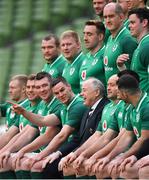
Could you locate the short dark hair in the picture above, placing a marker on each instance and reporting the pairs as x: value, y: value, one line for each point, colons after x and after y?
x: 57, y: 80
x: 141, y: 13
x: 99, y: 25
x: 128, y: 83
x: 41, y: 75
x: 31, y: 77
x: 50, y: 36
x: 130, y: 72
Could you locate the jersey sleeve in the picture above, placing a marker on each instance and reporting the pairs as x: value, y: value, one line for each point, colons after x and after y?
x: 75, y: 115
x: 114, y: 122
x: 145, y: 118
x: 129, y: 49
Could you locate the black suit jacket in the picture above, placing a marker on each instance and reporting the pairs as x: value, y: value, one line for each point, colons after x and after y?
x: 85, y: 130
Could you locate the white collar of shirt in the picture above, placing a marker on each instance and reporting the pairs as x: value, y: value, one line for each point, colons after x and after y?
x: 95, y: 105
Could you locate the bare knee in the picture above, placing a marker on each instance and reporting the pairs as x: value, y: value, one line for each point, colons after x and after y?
x: 144, y: 172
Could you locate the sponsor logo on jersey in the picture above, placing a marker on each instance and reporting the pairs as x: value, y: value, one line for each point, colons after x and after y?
x: 83, y: 74
x: 72, y: 71
x: 108, y: 68
x: 106, y: 60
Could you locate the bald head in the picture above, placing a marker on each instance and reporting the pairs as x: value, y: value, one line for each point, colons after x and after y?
x: 112, y: 87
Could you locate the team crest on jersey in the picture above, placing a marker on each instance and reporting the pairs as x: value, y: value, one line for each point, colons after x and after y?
x: 72, y: 71
x: 104, y: 125
x: 12, y: 114
x: 136, y: 132
x: 120, y: 115
x: 51, y: 71
x: 95, y: 61
x: 106, y: 60
x: 83, y: 74
x: 84, y: 62
x: 114, y: 47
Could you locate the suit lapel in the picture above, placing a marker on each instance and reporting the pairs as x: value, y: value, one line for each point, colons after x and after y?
x: 96, y: 112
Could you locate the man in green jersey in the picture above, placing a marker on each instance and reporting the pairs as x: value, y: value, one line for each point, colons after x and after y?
x: 71, y: 49
x: 139, y: 28
x: 17, y: 93
x: 117, y: 43
x: 50, y: 47
x: 137, y: 126
x: 69, y: 116
x: 103, y: 133
x: 94, y: 32
x: 49, y: 104
x: 26, y: 130
x: 124, y: 6
x: 133, y: 4
x: 98, y: 6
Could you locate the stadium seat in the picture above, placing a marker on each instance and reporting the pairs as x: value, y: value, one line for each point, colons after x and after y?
x: 5, y: 64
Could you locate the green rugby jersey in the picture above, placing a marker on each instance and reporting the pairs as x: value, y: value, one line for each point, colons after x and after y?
x: 23, y: 121
x: 72, y: 72
x: 138, y: 118
x: 106, y: 117
x: 55, y: 68
x: 93, y: 66
x: 122, y: 43
x: 45, y: 108
x: 11, y: 117
x: 72, y: 115
x: 140, y: 63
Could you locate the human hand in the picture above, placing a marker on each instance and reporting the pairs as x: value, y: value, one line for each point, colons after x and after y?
x: 52, y: 157
x: 122, y: 59
x: 130, y: 160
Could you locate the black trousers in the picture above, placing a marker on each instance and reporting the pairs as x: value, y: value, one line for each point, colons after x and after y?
x: 51, y: 170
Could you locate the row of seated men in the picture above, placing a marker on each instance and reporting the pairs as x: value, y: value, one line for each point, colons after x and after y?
x: 53, y: 133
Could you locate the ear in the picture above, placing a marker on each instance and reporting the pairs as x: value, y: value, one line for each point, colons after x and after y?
x: 145, y: 23
x: 121, y: 17
x: 101, y: 37
x: 24, y: 89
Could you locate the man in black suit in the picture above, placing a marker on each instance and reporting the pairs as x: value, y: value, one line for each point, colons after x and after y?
x: 93, y: 93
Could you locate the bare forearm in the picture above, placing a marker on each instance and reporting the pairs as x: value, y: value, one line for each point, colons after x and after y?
x: 5, y: 138
x: 34, y: 118
x: 83, y: 148
x: 35, y: 145
x: 135, y: 147
x: 10, y: 143
x: 23, y: 140
x: 122, y: 145
x: 106, y: 150
x: 94, y: 148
